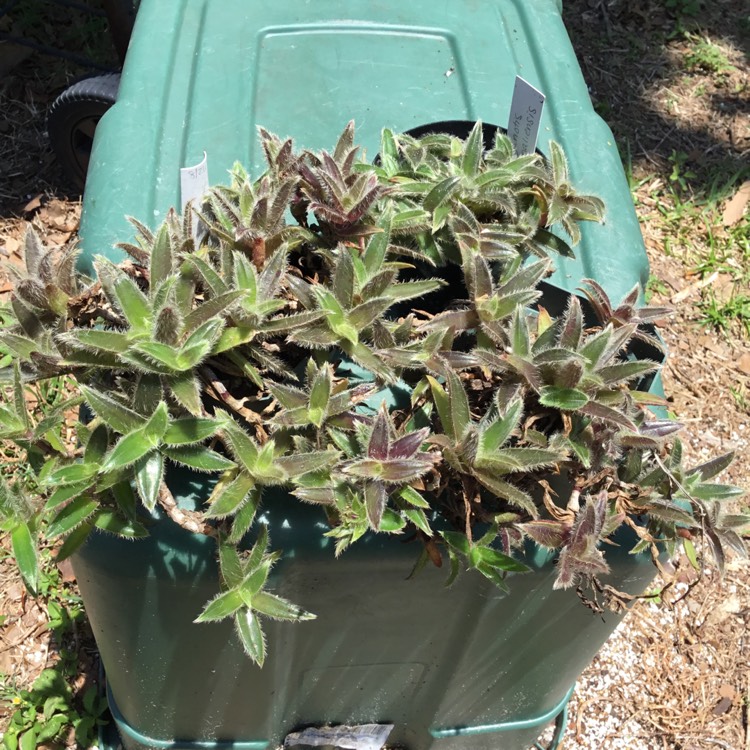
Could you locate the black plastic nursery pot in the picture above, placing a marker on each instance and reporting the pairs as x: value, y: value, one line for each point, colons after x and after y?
x: 464, y: 667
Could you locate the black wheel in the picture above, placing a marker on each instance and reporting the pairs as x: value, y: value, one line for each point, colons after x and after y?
x: 73, y: 118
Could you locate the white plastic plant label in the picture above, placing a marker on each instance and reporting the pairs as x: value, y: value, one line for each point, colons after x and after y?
x: 525, y: 116
x: 359, y: 737
x: 193, y: 182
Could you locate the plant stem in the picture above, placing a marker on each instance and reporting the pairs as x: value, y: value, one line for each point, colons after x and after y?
x: 189, y: 520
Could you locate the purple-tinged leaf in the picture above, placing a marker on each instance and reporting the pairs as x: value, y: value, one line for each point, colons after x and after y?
x: 316, y: 495
x: 379, y: 444
x: 607, y: 414
x: 375, y: 500
x: 598, y: 299
x: 550, y: 534
x: 407, y: 446
x: 712, y: 468
x: 508, y: 491
x: 298, y: 464
x: 572, y: 325
x: 660, y: 429
x: 624, y: 371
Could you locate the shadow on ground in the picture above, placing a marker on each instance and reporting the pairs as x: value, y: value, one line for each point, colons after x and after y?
x: 668, y: 110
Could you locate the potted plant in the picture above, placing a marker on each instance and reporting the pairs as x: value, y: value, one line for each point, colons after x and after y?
x: 357, y: 359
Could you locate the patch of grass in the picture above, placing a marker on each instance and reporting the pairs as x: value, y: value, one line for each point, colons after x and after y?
x: 691, y: 226
x: 50, y: 711
x: 655, y: 286
x: 741, y: 397
x: 724, y: 316
x: 706, y: 56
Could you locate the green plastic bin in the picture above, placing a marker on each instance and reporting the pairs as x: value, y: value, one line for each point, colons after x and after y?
x: 465, y: 668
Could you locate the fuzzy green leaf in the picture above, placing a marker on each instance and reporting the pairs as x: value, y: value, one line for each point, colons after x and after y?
x: 565, y: 399
x: 472, y: 156
x: 320, y: 394
x: 133, y: 303
x: 73, y: 514
x: 279, y: 609
x: 377, y: 247
x: 74, y: 541
x: 230, y: 564
x: 411, y: 496
x: 507, y: 491
x: 229, y: 495
x: 443, y: 406
x: 160, y: 265
x: 244, y: 517
x: 211, y: 309
x: 459, y: 405
x: 127, y: 451
x: 74, y: 474
x: 221, y: 606
x: 419, y: 519
x: 149, y: 474
x: 113, y: 413
x: 500, y: 561
x: 69, y: 491
x: 189, y: 430
x: 112, y: 523
x: 497, y: 433
x: 186, y: 390
x: 24, y: 551
x: 441, y: 193
x: 251, y: 635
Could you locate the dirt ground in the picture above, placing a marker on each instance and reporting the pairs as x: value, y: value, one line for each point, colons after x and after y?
x: 672, y: 80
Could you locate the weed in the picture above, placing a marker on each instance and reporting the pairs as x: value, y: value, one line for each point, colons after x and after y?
x: 723, y: 315
x: 655, y: 286
x: 706, y: 56
x: 50, y: 711
x: 741, y: 397
x: 681, y: 173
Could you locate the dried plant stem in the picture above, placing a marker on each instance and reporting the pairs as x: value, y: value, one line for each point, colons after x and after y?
x: 189, y: 520
x: 236, y: 405
x: 259, y: 253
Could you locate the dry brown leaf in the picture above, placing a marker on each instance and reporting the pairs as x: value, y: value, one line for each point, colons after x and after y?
x: 33, y: 204
x: 743, y: 363
x: 735, y: 208
x: 12, y: 245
